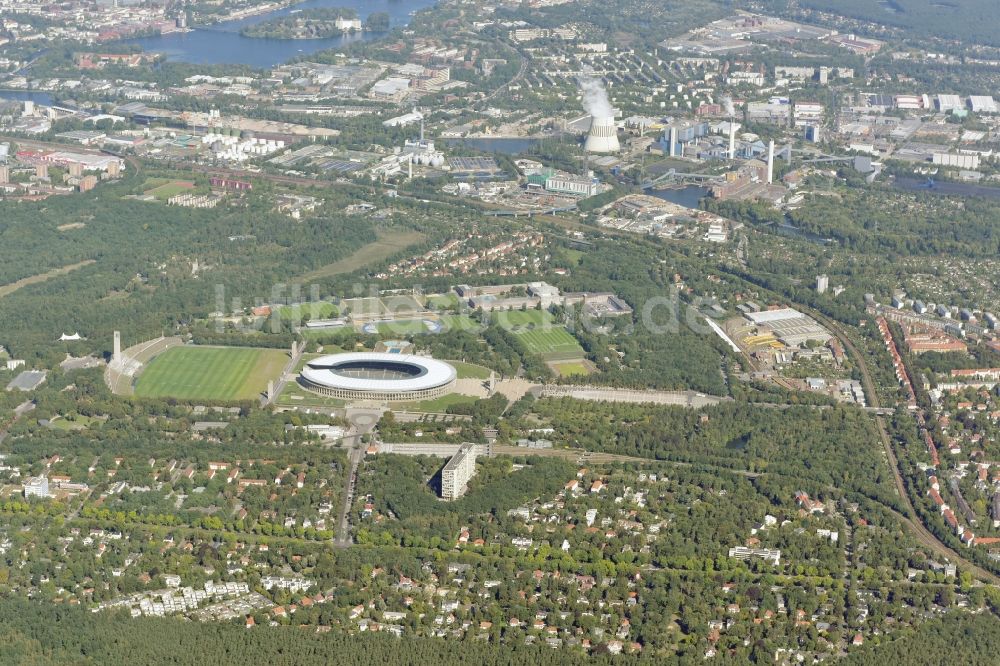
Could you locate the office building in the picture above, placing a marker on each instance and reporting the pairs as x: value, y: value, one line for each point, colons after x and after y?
x: 36, y: 486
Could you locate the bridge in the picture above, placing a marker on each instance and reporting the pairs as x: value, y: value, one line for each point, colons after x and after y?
x: 674, y: 175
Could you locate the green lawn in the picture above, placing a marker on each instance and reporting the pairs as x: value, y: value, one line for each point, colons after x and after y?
x: 512, y: 319
x: 571, y: 369
x: 169, y: 189
x: 538, y: 331
x: 401, y: 327
x: 572, y: 256
x: 470, y: 370
x: 439, y: 405
x: 325, y: 335
x: 545, y: 341
x: 72, y: 422
x: 459, y: 323
x: 295, y: 396
x: 313, y: 310
x: 442, y: 301
x: 210, y: 373
x: 390, y: 241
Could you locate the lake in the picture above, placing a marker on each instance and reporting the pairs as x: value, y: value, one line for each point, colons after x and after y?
x: 222, y: 43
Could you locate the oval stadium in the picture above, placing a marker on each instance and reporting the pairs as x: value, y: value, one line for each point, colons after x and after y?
x: 378, y: 376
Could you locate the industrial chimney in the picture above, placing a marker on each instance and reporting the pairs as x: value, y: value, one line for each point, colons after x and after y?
x: 603, y: 135
x: 770, y: 162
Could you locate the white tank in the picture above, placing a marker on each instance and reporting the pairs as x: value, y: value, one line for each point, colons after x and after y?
x: 603, y: 136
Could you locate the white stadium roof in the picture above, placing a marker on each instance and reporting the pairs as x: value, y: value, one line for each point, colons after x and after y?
x: 431, y: 373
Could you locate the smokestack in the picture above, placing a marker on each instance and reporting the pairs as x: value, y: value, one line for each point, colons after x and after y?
x: 770, y: 162
x: 732, y: 139
x: 673, y: 141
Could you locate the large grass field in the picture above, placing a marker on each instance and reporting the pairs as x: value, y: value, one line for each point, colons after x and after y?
x: 571, y: 369
x: 549, y: 341
x: 538, y: 332
x: 390, y: 241
x: 170, y: 188
x: 313, y: 309
x: 442, y: 301
x: 295, y: 396
x: 470, y: 370
x: 437, y: 405
x: 459, y: 322
x: 401, y: 327
x: 210, y: 373
x: 514, y: 319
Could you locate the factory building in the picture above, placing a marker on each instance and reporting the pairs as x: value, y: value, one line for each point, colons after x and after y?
x: 982, y: 104
x: 948, y: 103
x: 573, y: 185
x: 790, y: 326
x: 957, y: 160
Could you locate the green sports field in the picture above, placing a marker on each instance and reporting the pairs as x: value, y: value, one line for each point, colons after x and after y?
x: 571, y: 369
x: 210, y: 373
x: 164, y: 191
x: 539, y: 333
x: 314, y: 310
x: 515, y: 319
x: 547, y: 341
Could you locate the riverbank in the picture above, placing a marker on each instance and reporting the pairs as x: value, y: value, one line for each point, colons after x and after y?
x: 221, y: 43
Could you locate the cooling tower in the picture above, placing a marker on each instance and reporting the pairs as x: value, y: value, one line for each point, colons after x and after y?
x: 603, y: 136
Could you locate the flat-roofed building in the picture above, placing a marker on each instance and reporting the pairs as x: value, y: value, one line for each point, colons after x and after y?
x: 36, y: 486
x: 790, y: 326
x: 457, y: 472
x: 982, y: 104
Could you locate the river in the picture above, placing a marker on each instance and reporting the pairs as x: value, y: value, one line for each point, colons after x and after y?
x: 37, y: 96
x: 222, y: 43
x: 946, y: 188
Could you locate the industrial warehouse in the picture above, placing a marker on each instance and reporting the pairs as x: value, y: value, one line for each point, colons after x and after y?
x: 378, y: 376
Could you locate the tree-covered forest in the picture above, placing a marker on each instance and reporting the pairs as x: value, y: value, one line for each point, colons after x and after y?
x: 966, y: 20
x: 48, y: 635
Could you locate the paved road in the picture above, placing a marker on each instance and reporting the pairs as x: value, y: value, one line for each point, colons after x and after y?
x: 919, y: 530
x: 685, y: 398
x: 363, y: 421
x: 19, y: 411
x: 583, y: 457
x: 288, y: 374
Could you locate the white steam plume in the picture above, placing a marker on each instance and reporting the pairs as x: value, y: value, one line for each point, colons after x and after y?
x: 727, y: 103
x: 595, y: 97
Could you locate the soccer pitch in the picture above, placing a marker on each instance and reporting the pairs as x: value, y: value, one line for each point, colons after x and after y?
x: 516, y: 319
x: 210, y: 373
x: 314, y: 310
x: 547, y: 341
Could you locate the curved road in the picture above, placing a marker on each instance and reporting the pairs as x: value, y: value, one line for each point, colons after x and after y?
x: 919, y: 530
